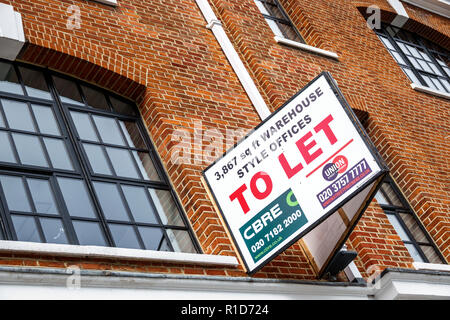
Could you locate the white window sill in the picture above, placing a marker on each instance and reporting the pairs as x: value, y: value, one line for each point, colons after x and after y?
x: 115, y: 253
x: 108, y: 2
x: 431, y: 266
x: 434, y: 92
x: 306, y: 47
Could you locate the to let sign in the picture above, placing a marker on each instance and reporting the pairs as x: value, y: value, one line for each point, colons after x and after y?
x: 293, y: 171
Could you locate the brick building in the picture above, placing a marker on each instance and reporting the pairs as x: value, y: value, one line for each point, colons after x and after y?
x: 125, y: 89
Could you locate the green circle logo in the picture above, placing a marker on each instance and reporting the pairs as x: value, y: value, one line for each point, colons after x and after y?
x: 292, y: 202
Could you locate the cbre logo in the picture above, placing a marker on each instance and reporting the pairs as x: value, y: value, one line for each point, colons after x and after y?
x: 334, y: 168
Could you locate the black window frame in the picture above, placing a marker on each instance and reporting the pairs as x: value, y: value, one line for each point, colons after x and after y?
x: 419, y: 43
x: 285, y: 20
x: 405, y: 208
x: 81, y: 165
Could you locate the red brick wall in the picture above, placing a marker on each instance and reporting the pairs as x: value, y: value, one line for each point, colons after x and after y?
x: 161, y: 55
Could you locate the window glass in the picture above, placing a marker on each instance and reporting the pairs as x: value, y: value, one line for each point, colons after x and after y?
x: 53, y: 230
x: 42, y: 195
x: 18, y: 115
x: 84, y: 126
x: 111, y: 201
x: 122, y: 163
x: 26, y: 228
x: 132, y: 134
x: 413, y: 252
x: 46, y: 120
x: 109, y: 130
x: 124, y: 236
x: 95, y: 98
x: 180, y: 241
x: 68, y: 91
x: 122, y: 107
x: 6, y: 151
x: 58, y: 154
x: 431, y: 254
x: 146, y: 166
x: 76, y: 197
x: 139, y: 204
x: 15, y: 194
x: 153, y: 238
x: 35, y: 83
x: 89, y: 233
x: 166, y: 207
x: 8, y: 79
x: 97, y: 159
x: 30, y: 150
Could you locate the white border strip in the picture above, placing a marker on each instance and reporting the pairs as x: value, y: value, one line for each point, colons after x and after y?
x: 108, y: 2
x: 306, y: 47
x: 431, y: 266
x: 434, y: 92
x: 115, y: 253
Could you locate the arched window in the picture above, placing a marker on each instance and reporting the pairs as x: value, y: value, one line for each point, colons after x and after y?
x: 424, y: 62
x: 77, y: 167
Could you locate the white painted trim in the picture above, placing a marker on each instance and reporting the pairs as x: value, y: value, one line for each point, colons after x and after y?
x: 244, y: 77
x: 12, y: 37
x: 440, y: 7
x: 398, y: 7
x: 407, y: 285
x: 45, y: 283
x: 434, y: 92
x: 108, y: 2
x: 115, y: 253
x: 306, y: 47
x: 431, y: 266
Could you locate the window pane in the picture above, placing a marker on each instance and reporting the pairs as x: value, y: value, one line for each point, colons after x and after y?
x: 89, y: 233
x: 381, y: 199
x: 398, y: 227
x: 68, y: 91
x: 431, y: 254
x: 413, y: 252
x: 2, y: 122
x: 109, y: 130
x: 414, y: 227
x: 111, y: 201
x: 18, y: 115
x: 30, y: 150
x: 429, y: 82
x: 166, y: 207
x: 122, y: 107
x: 146, y: 166
x: 35, y: 83
x: 84, y: 126
x: 387, y: 43
x: 437, y: 84
x: 26, y: 229
x: 122, y: 163
x: 138, y: 202
x: 8, y: 79
x: 15, y: 194
x: 289, y: 32
x: 392, y: 196
x: 42, y: 196
x: 398, y: 57
x: 53, y: 230
x: 411, y: 76
x: 97, y: 159
x: 95, y: 98
x: 132, y: 134
x: 6, y: 151
x: 76, y: 198
x: 181, y: 241
x: 58, y: 154
x: 124, y: 236
x: 46, y: 120
x: 153, y: 239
